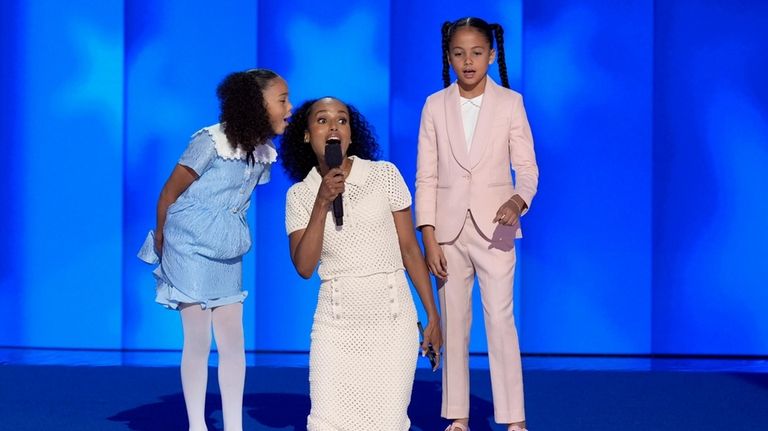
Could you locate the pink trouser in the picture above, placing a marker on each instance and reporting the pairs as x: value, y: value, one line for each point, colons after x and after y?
x: 494, y: 263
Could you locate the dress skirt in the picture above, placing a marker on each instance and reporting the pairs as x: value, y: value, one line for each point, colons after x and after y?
x: 364, y: 347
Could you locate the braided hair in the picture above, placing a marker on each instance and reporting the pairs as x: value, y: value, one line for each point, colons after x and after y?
x: 490, y: 31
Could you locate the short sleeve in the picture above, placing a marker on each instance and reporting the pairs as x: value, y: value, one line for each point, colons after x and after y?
x: 199, y: 153
x: 296, y: 214
x: 397, y: 191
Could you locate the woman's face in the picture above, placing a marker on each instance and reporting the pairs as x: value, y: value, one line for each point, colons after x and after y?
x: 277, y: 104
x: 328, y: 119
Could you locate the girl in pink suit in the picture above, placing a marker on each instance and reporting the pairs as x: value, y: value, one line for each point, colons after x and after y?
x: 473, y: 133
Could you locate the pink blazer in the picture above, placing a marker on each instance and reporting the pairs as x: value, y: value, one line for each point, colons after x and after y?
x: 450, y: 180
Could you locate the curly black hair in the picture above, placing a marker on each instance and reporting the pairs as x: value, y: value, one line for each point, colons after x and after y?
x: 490, y: 31
x: 244, y: 115
x: 297, y: 156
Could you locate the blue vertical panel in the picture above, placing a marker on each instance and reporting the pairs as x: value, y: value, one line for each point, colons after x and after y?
x: 176, y: 54
x: 711, y: 177
x: 11, y: 221
x: 339, y: 49
x: 69, y: 181
x: 416, y: 64
x: 588, y: 82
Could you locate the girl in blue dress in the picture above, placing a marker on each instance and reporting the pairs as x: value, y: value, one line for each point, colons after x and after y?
x: 202, y: 234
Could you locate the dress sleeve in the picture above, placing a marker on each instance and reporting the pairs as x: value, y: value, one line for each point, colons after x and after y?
x: 199, y: 153
x: 296, y: 214
x: 266, y: 174
x: 397, y: 191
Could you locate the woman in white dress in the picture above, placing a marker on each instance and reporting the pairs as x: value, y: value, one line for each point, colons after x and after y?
x: 364, y: 341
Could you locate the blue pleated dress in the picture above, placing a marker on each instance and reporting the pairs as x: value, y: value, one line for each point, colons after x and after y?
x: 206, y: 233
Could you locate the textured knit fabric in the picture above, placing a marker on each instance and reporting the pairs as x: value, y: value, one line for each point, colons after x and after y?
x: 364, y: 341
x: 205, y: 233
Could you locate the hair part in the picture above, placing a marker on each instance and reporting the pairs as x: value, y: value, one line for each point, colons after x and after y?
x: 243, y: 110
x: 491, y: 32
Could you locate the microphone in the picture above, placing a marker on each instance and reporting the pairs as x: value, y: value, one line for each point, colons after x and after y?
x: 333, y: 159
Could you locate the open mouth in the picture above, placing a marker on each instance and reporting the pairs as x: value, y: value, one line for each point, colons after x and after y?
x: 331, y: 136
x: 468, y: 73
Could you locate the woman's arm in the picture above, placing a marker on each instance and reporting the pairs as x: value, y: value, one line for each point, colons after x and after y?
x: 306, y: 244
x: 417, y: 271
x: 179, y: 181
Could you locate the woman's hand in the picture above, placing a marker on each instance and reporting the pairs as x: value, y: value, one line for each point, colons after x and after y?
x: 331, y: 186
x: 434, y: 336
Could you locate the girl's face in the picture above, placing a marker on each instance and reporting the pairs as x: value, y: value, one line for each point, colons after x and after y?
x: 328, y: 119
x: 470, y: 54
x: 277, y: 104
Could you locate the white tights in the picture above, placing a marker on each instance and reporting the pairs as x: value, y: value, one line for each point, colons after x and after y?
x: 227, y: 322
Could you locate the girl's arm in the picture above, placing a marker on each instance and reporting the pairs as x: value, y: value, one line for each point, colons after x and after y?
x: 426, y: 171
x: 417, y: 271
x: 179, y: 181
x: 426, y: 194
x: 522, y: 158
x: 306, y: 244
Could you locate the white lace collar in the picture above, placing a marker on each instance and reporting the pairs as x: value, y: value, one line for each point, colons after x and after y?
x: 262, y: 154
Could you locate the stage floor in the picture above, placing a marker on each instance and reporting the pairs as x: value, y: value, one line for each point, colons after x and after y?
x: 76, y: 390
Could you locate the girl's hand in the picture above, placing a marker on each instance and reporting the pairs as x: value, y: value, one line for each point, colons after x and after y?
x: 434, y: 336
x: 332, y: 186
x: 435, y: 258
x: 508, y: 214
x: 159, y: 244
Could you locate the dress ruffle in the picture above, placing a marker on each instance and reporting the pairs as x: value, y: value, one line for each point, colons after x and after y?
x: 168, y: 295
x: 265, y: 153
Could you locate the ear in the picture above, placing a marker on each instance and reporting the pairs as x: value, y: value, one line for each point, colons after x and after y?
x: 306, y: 136
x: 492, y: 57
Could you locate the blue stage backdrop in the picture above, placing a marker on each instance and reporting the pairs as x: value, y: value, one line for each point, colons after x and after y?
x: 587, y: 256
x: 647, y: 236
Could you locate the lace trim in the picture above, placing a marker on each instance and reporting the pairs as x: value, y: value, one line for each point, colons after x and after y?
x: 265, y: 153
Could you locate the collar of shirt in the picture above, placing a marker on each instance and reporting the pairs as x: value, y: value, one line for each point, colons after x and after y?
x: 264, y: 153
x: 475, y: 101
x: 357, y: 175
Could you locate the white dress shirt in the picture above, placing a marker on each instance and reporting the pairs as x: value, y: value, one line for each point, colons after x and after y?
x: 470, y: 109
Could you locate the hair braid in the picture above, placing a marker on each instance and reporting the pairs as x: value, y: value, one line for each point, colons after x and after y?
x: 446, y: 41
x: 498, y: 32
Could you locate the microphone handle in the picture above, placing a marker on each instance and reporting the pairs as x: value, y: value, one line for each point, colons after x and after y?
x: 338, y: 211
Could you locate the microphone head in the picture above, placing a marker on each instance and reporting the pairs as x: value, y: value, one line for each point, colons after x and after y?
x: 333, y: 156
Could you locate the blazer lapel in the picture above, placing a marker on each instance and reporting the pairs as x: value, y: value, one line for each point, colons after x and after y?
x: 456, y: 126
x: 481, y: 137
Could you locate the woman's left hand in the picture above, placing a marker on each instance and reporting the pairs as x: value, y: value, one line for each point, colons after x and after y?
x: 434, y: 336
x: 508, y: 214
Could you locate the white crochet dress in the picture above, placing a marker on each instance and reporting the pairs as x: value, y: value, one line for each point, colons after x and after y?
x: 364, y: 341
